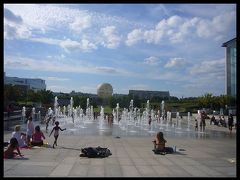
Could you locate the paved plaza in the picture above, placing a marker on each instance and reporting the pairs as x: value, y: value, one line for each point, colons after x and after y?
x: 201, y: 155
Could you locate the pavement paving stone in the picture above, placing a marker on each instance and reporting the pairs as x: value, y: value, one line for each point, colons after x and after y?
x: 209, y: 171
x: 113, y: 170
x: 62, y: 170
x: 79, y: 170
x: 202, y: 156
x: 130, y: 171
x: 162, y: 171
x: 125, y: 161
x: 146, y: 171
x: 178, y: 171
x: 96, y: 171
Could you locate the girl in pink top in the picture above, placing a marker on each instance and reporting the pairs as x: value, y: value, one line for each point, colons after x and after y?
x: 37, y: 137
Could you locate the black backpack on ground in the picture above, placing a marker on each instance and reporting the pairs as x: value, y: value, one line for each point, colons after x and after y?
x: 95, y: 152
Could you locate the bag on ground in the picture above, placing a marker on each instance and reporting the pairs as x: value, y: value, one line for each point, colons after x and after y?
x: 95, y: 152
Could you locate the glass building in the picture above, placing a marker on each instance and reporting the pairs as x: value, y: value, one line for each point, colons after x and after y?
x: 230, y: 68
x: 34, y: 84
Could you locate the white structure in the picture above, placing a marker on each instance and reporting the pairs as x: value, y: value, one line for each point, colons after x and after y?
x: 104, y: 90
x: 34, y: 84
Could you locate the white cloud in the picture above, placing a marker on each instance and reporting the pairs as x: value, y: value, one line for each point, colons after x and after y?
x: 81, y: 23
x: 151, y: 60
x: 139, y: 87
x: 174, y: 21
x: 153, y: 36
x: 134, y: 36
x: 219, y: 24
x: 48, y: 17
x: 47, y: 40
x: 111, y: 39
x: 176, y: 29
x: 175, y: 63
x: 53, y: 17
x: 70, y: 45
x: 57, y: 66
x: 213, y: 68
x: 58, y: 88
x: 14, y: 28
x: 87, y: 45
x: 67, y: 44
x: 51, y: 78
x: 106, y: 70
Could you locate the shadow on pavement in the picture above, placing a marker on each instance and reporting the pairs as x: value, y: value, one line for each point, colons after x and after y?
x: 62, y: 147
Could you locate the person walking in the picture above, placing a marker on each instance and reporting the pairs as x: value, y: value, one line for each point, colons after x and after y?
x: 202, y: 122
x: 56, y: 129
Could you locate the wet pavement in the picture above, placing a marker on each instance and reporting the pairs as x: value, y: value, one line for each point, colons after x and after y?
x: 199, y: 154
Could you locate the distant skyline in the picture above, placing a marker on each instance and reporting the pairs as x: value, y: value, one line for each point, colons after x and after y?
x: 155, y: 47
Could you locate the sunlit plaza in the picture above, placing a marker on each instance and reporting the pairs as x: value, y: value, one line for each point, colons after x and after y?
x: 155, y: 84
x: 209, y: 153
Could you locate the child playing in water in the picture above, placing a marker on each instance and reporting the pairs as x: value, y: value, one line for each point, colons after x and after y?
x: 56, y: 132
x: 47, y: 120
x: 10, y: 151
x: 196, y: 124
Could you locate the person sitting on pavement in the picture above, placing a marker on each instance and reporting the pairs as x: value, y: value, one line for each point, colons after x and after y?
x: 20, y: 136
x: 212, y: 120
x: 10, y: 151
x: 37, y: 137
x: 223, y: 122
x: 159, y: 144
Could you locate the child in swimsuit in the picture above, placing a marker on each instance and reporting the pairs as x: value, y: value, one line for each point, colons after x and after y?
x: 56, y: 132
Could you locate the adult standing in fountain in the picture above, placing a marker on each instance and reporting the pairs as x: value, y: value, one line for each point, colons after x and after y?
x: 149, y: 120
x: 202, y: 122
x: 72, y: 117
x: 30, y: 129
x: 230, y: 122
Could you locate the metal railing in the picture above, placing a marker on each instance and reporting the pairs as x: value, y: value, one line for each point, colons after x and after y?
x: 16, y: 117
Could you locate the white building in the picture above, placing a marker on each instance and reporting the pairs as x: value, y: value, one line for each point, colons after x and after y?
x: 34, y: 84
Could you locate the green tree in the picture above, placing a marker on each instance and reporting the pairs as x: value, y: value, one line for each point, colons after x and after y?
x: 46, y: 97
x: 113, y: 102
x: 206, y: 100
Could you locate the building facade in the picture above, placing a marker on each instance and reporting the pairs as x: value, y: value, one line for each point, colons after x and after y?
x: 142, y: 94
x: 34, y: 84
x: 230, y: 67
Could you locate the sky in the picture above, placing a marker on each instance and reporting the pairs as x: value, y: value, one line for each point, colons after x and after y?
x: 155, y: 47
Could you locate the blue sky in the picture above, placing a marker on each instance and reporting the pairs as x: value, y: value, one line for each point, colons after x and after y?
x: 159, y: 47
